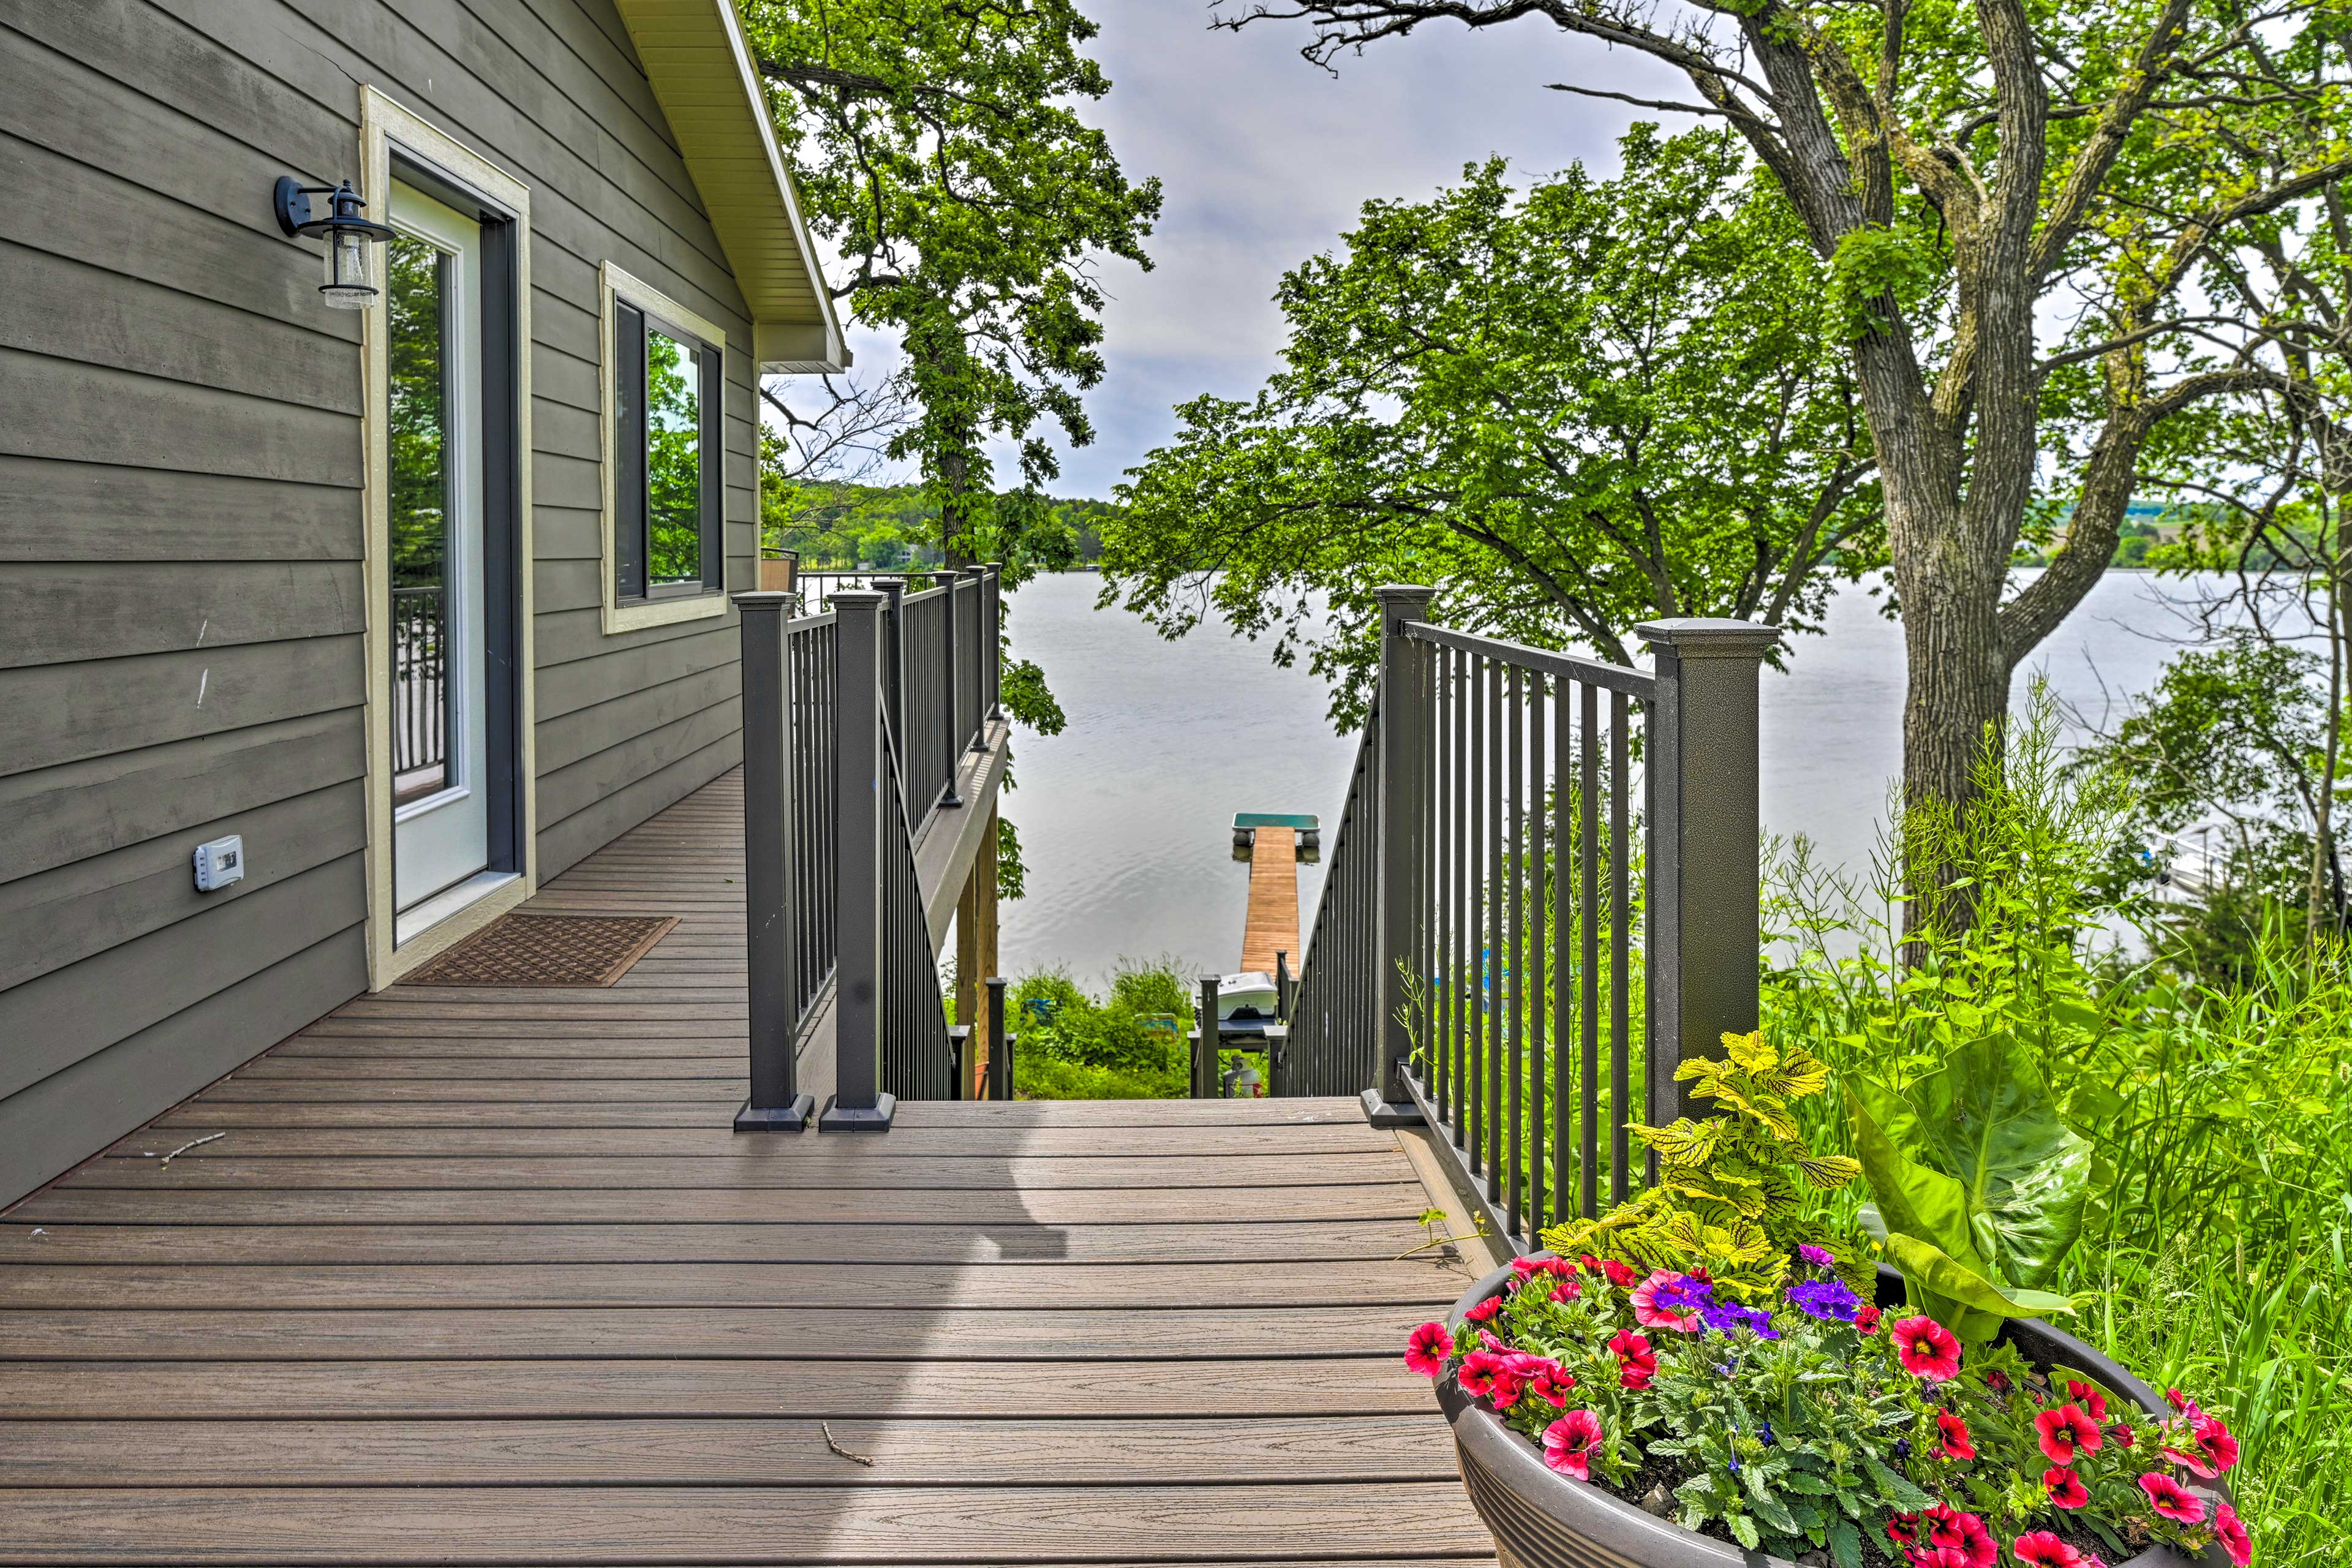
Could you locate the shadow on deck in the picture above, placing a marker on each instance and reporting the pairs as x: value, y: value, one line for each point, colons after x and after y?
x: 482, y: 1276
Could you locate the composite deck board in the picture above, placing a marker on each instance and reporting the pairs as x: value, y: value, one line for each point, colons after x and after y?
x: 480, y: 1276
x: 941, y: 1143
x: 589, y: 1388
x: 500, y: 1334
x: 493, y: 1525
x: 343, y: 1244
x: 761, y: 1451
x: 783, y: 1171
x: 1004, y: 1214
x: 1039, y: 1286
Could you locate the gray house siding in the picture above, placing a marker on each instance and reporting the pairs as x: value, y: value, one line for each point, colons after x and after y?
x: 181, y: 603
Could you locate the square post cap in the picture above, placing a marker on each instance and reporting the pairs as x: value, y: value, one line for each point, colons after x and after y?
x: 765, y: 600
x: 1706, y: 636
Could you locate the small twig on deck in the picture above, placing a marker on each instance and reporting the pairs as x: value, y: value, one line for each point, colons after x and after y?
x: 826, y: 1427
x: 192, y: 1143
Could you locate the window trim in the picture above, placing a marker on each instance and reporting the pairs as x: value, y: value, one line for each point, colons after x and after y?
x: 669, y: 604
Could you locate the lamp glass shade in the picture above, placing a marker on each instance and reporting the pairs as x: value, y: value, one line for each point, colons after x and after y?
x: 347, y: 287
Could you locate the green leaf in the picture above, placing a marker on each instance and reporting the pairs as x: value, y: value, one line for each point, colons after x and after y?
x: 1775, y: 1512
x: 1846, y: 1544
x: 1743, y: 1529
x: 1954, y: 1281
x: 1893, y: 1487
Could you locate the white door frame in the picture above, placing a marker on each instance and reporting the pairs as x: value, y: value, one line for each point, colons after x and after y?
x: 384, y: 126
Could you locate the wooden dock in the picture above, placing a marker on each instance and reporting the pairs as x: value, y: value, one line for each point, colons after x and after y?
x: 481, y: 1276
x: 1272, y: 924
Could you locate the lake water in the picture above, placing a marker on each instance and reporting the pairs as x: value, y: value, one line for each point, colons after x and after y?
x: 1126, y: 818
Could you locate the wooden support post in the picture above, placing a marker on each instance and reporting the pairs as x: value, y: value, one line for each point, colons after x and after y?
x: 1000, y: 1054
x: 776, y: 1104
x: 858, y: 1103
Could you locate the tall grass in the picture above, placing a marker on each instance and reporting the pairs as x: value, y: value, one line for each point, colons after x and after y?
x: 1127, y: 1045
x: 2215, y: 1257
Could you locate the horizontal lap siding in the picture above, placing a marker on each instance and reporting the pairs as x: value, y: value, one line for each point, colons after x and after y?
x: 181, y: 603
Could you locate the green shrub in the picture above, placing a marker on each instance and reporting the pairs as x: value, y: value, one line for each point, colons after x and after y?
x: 1074, y: 1046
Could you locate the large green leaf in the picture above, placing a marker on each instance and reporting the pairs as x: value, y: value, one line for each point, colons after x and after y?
x: 1979, y: 1184
x: 1988, y: 1118
x: 1943, y: 1274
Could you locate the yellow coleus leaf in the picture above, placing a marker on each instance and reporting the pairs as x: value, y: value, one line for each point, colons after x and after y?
x: 1749, y: 1054
x: 1828, y: 1171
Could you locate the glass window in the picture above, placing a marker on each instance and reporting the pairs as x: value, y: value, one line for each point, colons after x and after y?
x: 667, y: 473
x: 419, y: 471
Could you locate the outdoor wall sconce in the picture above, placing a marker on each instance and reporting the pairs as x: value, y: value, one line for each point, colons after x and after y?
x: 346, y: 232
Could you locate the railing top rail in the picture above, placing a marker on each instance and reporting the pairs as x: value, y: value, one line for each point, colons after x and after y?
x: 1546, y: 662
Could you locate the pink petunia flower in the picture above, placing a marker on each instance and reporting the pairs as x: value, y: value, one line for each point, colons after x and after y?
x: 1485, y: 1311
x: 2041, y: 1549
x: 1926, y: 1349
x: 2067, y: 1431
x: 2230, y: 1531
x: 1477, y: 1373
x: 2173, y: 1500
x: 1637, y: 1363
x: 2121, y: 1435
x: 1953, y: 1432
x: 1571, y: 1442
x: 1650, y: 1315
x: 1865, y: 1319
x: 1426, y: 1348
x: 1951, y: 1531
x: 2207, y: 1450
x: 2065, y: 1488
x: 1551, y: 1385
x: 2089, y: 1397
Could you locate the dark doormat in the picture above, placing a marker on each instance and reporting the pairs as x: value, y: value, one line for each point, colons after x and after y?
x: 546, y: 950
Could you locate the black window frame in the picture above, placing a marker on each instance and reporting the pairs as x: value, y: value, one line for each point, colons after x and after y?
x: 632, y: 479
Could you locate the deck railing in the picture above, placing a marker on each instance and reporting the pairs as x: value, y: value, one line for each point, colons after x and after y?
x: 1500, y: 931
x: 420, y: 680
x: 857, y: 724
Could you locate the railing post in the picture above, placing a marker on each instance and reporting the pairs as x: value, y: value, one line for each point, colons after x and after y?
x: 1404, y: 735
x: 857, y: 1104
x: 992, y: 646
x: 978, y: 736
x: 1206, y: 1042
x: 1000, y: 1044
x: 776, y: 1104
x: 894, y: 669
x: 954, y: 751
x: 1704, y: 856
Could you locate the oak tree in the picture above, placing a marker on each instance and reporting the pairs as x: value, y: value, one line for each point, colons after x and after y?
x: 2003, y: 190
x: 1573, y: 408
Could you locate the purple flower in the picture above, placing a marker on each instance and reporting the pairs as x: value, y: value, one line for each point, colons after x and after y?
x: 1817, y: 1256
x: 1830, y: 1300
x: 1681, y: 1295
x: 1724, y: 1317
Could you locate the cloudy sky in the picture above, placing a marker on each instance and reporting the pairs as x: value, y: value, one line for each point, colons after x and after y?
x: 1265, y: 159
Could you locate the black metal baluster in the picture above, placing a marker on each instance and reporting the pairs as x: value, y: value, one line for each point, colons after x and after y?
x: 1619, y: 970
x: 1474, y: 1128
x: 1494, y: 1008
x: 1538, y: 902
x: 1515, y: 927
x: 1589, y: 865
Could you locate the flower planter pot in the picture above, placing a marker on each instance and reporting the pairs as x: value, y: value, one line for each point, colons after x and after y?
x: 1541, y: 1519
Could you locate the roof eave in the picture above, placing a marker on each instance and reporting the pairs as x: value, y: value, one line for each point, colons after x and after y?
x: 699, y: 65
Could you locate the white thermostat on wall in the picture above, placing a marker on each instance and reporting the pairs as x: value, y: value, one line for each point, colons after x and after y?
x: 219, y: 863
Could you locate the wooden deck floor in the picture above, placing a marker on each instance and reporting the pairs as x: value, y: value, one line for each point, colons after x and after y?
x: 481, y: 1276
